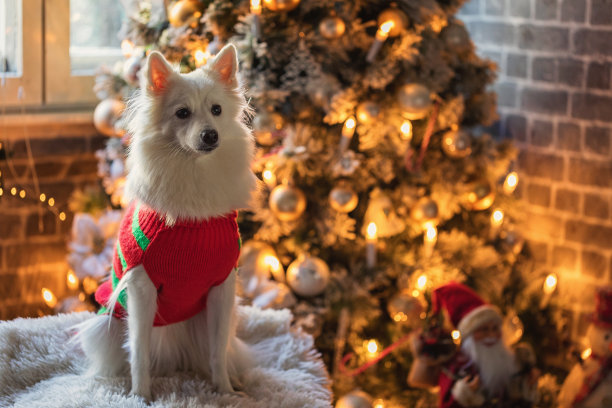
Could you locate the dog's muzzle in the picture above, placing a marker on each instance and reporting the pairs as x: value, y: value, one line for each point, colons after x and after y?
x: 209, y: 140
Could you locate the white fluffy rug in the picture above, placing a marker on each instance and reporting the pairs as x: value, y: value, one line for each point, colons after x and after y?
x: 39, y: 368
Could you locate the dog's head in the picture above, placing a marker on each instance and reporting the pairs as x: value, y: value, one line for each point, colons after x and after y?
x: 197, y: 112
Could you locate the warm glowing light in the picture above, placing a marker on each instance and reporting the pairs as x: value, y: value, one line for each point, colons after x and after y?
x: 1, y: 191
x: 386, y: 26
x: 416, y: 293
x: 372, y: 346
x: 431, y: 234
x: 272, y: 262
x: 22, y: 193
x: 400, y: 317
x: 348, y: 130
x: 201, y: 57
x: 456, y: 335
x: 421, y: 282
x: 127, y: 48
x: 406, y: 130
x: 62, y: 216
x: 497, y: 217
x: 13, y: 191
x: 371, y: 231
x: 378, y: 403
x: 72, y: 281
x: 82, y: 297
x: 256, y: 6
x: 51, y: 202
x: 511, y: 182
x: 550, y: 283
x: 586, y: 353
x: 269, y: 177
x: 49, y: 297
x: 89, y: 285
x: 43, y: 197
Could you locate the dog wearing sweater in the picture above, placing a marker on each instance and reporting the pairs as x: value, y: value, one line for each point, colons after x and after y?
x: 169, y: 305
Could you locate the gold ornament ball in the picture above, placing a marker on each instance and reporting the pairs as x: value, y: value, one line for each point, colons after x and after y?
x: 281, y: 5
x: 343, y: 199
x: 415, y: 101
x: 254, y: 261
x: 397, y: 16
x: 456, y: 37
x: 425, y: 212
x: 355, y: 399
x: 106, y: 115
x: 368, y: 112
x: 405, y: 308
x: 287, y: 202
x: 457, y: 144
x: 332, y: 27
x: 265, y: 126
x: 184, y: 12
x: 308, y: 275
x: 480, y: 197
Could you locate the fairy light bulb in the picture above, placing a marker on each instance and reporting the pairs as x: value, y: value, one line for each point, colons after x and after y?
x: 22, y: 193
x: 378, y: 403
x: 421, y: 282
x: 372, y: 348
x: 1, y: 191
x: 406, y: 130
x: 13, y: 191
x: 72, y: 281
x: 429, y: 240
x: 62, y: 216
x: 511, y: 182
x: 42, y: 197
x: 49, y: 297
x: 127, y: 48
x: 497, y: 218
x: 381, y: 36
x: 256, y: 7
x: 371, y: 232
x: 456, y: 335
x: 51, y: 202
x: 371, y: 239
x: 586, y: 353
x: 550, y: 284
x: 348, y: 130
x: 269, y: 177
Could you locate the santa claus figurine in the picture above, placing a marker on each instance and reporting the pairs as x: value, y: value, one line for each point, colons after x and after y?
x: 589, y: 384
x: 484, y: 371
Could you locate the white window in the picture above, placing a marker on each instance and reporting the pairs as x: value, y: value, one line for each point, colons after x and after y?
x: 78, y: 37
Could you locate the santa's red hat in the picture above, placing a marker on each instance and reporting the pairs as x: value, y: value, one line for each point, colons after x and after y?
x: 467, y: 310
x: 603, y: 308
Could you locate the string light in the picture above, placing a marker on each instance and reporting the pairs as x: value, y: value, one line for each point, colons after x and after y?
x: 371, y: 240
x: 348, y: 130
x: 372, y: 347
x: 22, y: 194
x: 268, y: 175
x: 72, y: 281
x: 511, y: 182
x: 127, y: 48
x: 201, y: 57
x: 51, y: 202
x: 586, y: 353
x: 456, y: 335
x: 49, y: 297
x: 406, y: 130
x: 430, y: 238
x: 550, y: 284
x: 381, y: 36
x: 256, y: 11
x: 43, y: 197
x: 62, y: 216
x: 421, y: 282
x: 378, y: 403
x: 13, y: 191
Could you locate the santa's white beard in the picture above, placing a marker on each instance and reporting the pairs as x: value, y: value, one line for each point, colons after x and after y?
x: 495, y: 364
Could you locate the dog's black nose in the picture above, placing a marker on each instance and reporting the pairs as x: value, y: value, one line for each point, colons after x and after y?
x: 209, y: 138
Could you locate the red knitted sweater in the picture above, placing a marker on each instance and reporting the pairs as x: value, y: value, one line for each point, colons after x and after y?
x: 183, y: 261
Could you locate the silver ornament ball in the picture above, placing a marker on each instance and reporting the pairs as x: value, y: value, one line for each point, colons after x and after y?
x: 287, y: 202
x: 106, y: 115
x: 425, y: 212
x: 355, y: 399
x: 415, y: 101
x: 368, y: 112
x: 308, y: 275
x: 332, y: 27
x: 265, y: 127
x: 457, y: 144
x: 342, y: 198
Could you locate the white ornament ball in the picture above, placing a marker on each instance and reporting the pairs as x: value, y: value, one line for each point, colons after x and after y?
x: 456, y: 37
x: 266, y: 126
x: 131, y: 68
x: 184, y: 12
x: 368, y: 112
x: 259, y: 259
x: 308, y: 275
x: 106, y: 115
x: 287, y: 202
x: 355, y: 399
x: 415, y: 101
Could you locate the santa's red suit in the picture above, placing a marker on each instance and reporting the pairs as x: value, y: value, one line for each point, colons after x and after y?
x: 183, y: 261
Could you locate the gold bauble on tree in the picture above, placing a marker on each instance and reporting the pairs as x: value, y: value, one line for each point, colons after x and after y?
x: 457, y: 144
x: 258, y: 259
x: 405, y: 309
x: 480, y: 196
x: 185, y: 12
x: 332, y: 27
x: 395, y: 15
x: 266, y: 126
x: 425, y: 212
x: 343, y: 198
x: 455, y: 36
x: 308, y: 275
x: 106, y: 115
x: 415, y: 101
x: 287, y: 202
x: 368, y: 112
x: 281, y: 5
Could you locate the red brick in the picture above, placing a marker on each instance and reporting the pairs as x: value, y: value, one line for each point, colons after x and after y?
x: 541, y: 133
x: 567, y: 200
x: 543, y: 69
x: 11, y: 226
x: 543, y: 38
x: 41, y: 224
x: 590, y: 234
x: 589, y: 106
x: 492, y: 33
x: 544, y: 101
x: 539, y: 251
x: 10, y: 285
x: 590, y: 172
x: 543, y: 225
x: 53, y: 169
x: 564, y: 257
x: 516, y: 65
x: 597, y: 140
x: 596, y: 205
x: 538, y: 194
x: 570, y: 71
x: 593, y: 42
x: 541, y: 165
x: 568, y: 136
x: 83, y: 166
x: 51, y: 147
x: 516, y: 127
x: 546, y: 9
x: 594, y: 264
x: 32, y: 254
x: 598, y: 75
x: 9, y: 312
x: 573, y: 10
x: 601, y: 12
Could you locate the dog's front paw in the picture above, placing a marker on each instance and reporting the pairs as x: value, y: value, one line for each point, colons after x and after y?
x: 140, y: 390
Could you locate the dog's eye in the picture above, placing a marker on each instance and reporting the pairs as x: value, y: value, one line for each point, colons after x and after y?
x: 183, y: 113
x: 215, y: 110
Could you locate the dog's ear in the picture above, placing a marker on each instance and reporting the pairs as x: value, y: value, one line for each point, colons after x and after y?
x: 226, y: 65
x: 158, y: 72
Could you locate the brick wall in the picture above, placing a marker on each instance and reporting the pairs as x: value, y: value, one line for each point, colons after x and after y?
x: 33, y: 239
x: 555, y: 102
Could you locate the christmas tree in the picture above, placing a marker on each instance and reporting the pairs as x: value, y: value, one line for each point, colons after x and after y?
x: 381, y: 180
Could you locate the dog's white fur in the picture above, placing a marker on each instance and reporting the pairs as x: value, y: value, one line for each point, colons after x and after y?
x: 170, y: 173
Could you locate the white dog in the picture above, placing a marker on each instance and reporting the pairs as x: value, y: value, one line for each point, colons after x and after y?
x: 170, y: 302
